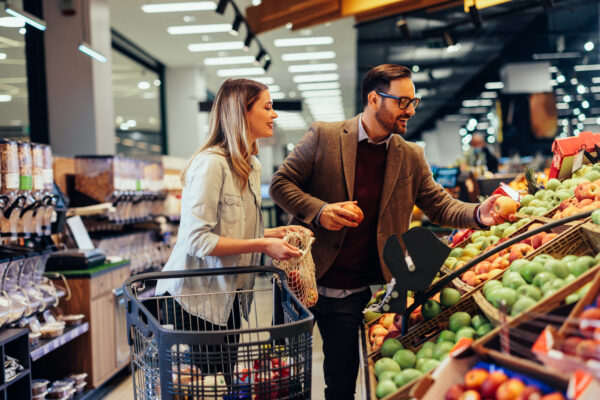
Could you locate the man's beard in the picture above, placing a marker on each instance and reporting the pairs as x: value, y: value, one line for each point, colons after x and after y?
x: 388, y: 123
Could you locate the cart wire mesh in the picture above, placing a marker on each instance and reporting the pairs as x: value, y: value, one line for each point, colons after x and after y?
x: 181, y: 348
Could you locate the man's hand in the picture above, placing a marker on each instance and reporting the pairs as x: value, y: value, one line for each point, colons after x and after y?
x: 334, y: 217
x: 488, y: 216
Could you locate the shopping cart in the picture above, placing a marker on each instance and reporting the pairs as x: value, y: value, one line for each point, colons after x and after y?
x: 264, y: 351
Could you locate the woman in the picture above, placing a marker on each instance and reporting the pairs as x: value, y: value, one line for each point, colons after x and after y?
x: 221, y: 223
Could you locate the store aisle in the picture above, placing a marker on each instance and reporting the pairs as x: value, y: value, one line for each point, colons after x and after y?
x: 123, y: 389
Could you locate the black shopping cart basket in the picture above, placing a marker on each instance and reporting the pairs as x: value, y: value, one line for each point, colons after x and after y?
x: 192, y: 347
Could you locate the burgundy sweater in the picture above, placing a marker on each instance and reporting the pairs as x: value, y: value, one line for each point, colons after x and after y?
x: 357, y: 263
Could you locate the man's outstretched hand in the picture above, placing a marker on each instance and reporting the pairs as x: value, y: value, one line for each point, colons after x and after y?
x: 497, y: 209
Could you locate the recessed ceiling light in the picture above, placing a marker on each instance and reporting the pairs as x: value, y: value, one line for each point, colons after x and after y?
x: 590, y: 67
x: 195, y: 47
x: 191, y: 29
x: 324, y: 100
x: 321, y: 93
x: 274, y: 88
x: 319, y: 86
x: 5, y: 98
x: 240, y: 72
x: 277, y: 96
x: 265, y: 80
x: 315, y: 78
x: 144, y: 85
x: 303, y: 41
x: 311, y: 55
x: 494, y: 85
x: 229, y: 60
x: 312, y: 68
x: 176, y: 7
x: 12, y: 22
x: 2, y: 56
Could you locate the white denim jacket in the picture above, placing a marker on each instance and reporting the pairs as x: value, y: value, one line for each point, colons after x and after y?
x: 211, y: 206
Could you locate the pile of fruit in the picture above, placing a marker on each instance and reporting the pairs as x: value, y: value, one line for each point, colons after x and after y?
x: 546, y: 199
x: 586, y: 345
x: 527, y: 282
x: 399, y: 366
x: 488, y: 382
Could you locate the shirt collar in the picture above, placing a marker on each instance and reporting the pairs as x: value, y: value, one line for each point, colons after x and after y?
x: 362, y: 134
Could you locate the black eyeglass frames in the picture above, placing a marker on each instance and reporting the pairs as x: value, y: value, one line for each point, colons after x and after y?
x: 403, y: 102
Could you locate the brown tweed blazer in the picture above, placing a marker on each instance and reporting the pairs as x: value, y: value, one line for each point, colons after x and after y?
x: 321, y: 170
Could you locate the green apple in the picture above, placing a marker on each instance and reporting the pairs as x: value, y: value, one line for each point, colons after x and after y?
x: 442, y: 348
x: 570, y: 278
x: 450, y: 262
x: 505, y: 296
x: 484, y: 329
x: 569, y: 258
x: 596, y: 167
x: 521, y: 305
x: 513, y: 280
x: 476, y: 245
x: 430, y: 309
x: 563, y: 194
x: 552, y: 184
x: 579, y: 266
x: 405, y: 358
x: 371, y: 316
x: 540, y: 194
x: 592, y: 176
x: 596, y: 216
x: 543, y: 258
x: 406, y: 376
x: 428, y: 364
x: 509, y: 231
x: 518, y: 265
x: 446, y: 336
x: 522, y: 222
x: 548, y: 196
x: 385, y: 388
x: 458, y: 320
x: 531, y: 269
x: 527, y: 210
x: 387, y: 375
x: 489, y: 285
x: 542, y: 278
x: 385, y: 364
x: 466, y: 332
x: 425, y: 352
x: 390, y: 347
x: 529, y: 291
x: 470, y: 252
x: 479, y: 320
x: 557, y: 267
x: 539, y: 211
x: 572, y: 298
x: 449, y: 297
x: 526, y: 199
x: 456, y: 252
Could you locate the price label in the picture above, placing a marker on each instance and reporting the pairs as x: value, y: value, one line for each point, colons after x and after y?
x: 578, y: 161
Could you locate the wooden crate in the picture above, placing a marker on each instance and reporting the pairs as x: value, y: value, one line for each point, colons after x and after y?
x: 414, y: 340
x: 575, y: 241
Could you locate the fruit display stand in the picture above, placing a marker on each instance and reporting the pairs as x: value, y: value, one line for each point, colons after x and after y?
x: 417, y: 336
x: 575, y: 241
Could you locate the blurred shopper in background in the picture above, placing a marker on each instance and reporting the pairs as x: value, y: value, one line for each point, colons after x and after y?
x: 364, y: 160
x: 479, y: 154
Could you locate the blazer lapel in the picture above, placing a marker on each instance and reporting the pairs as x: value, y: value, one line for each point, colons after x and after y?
x: 349, y: 142
x: 392, y: 170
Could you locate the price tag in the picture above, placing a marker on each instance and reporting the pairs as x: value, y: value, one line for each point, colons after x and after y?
x: 578, y: 160
x: 80, y: 234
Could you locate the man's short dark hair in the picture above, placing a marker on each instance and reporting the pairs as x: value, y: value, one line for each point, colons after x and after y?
x: 379, y: 78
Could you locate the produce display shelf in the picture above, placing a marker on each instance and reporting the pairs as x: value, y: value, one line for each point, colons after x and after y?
x: 49, y: 345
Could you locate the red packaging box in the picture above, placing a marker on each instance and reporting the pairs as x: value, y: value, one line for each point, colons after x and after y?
x: 565, y: 149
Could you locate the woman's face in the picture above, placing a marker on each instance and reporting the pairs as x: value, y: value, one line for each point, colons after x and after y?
x: 261, y: 116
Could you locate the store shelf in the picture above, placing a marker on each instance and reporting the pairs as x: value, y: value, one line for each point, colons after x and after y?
x: 47, y: 346
x: 86, y: 395
x: 21, y: 374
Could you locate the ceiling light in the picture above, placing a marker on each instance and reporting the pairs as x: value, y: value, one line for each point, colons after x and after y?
x: 248, y: 41
x: 303, y: 41
x: 5, y: 98
x: 235, y: 27
x: 576, y: 111
x: 87, y: 49
x: 240, y: 72
x: 319, y: 86
x: 22, y: 31
x: 477, y: 103
x: 585, y: 104
x: 265, y: 80
x: 131, y: 123
x: 574, y: 81
x: 157, y: 82
x: 228, y: 60
x: 144, y: 85
x: 274, y: 88
x: 2, y: 56
x: 177, y: 7
x: 221, y: 6
x: 552, y: 68
x: 12, y: 22
x: 462, y: 131
x: 315, y: 78
x: 488, y: 95
x: 415, y: 68
x: 324, y: 100
x: 195, y: 47
x: 321, y: 93
x: 312, y: 68
x: 562, y: 106
x: 289, y: 25
x: 589, y: 46
x: 554, y: 56
x: 561, y: 79
x: 277, y: 96
x: 191, y: 29
x: 590, y: 67
x: 256, y: 2
x: 581, y: 89
x: 26, y: 17
x: 312, y: 55
x: 494, y: 85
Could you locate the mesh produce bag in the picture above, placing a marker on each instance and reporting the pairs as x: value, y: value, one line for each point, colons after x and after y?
x: 300, y: 270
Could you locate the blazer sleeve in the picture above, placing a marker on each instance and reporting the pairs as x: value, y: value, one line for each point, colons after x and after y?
x: 438, y: 205
x: 289, y: 183
x: 205, y: 180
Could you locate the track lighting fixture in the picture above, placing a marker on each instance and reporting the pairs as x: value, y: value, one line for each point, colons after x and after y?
x: 248, y: 41
x: 448, y: 39
x: 475, y: 16
x: 267, y: 64
x: 260, y: 55
x: 402, y: 25
x: 235, y: 27
x: 222, y: 6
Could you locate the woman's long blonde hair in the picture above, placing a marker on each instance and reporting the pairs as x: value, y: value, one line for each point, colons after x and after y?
x: 229, y: 130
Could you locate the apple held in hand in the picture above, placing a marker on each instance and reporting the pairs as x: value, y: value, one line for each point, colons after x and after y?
x: 356, y: 210
x: 504, y: 206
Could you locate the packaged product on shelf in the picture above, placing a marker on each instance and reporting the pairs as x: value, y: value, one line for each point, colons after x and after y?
x: 25, y: 167
x: 9, y: 167
x: 47, y: 171
x: 37, y: 155
x: 98, y: 176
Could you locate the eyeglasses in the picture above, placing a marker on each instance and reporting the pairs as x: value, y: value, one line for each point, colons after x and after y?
x: 403, y: 102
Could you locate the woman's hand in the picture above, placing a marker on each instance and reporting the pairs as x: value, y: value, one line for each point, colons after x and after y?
x: 280, y: 231
x: 279, y: 249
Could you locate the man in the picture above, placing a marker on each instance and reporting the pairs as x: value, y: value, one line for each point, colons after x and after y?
x: 479, y: 154
x: 363, y: 159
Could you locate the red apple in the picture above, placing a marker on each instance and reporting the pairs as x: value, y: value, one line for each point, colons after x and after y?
x: 585, y: 202
x: 510, y: 390
x: 519, y: 250
x: 470, y: 395
x: 554, y: 396
x: 475, y: 377
x: 579, y: 190
x: 548, y: 238
x: 591, y: 190
x: 492, y: 383
x: 530, y: 393
x: 570, y: 344
x: 536, y: 240
x: 505, y: 206
x: 454, y: 392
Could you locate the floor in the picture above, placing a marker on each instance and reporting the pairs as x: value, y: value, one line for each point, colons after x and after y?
x: 121, y: 387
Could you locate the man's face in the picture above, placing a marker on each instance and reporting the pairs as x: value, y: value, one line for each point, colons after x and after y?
x: 389, y: 115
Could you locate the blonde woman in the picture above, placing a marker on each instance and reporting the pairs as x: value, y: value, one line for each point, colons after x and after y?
x: 221, y: 222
